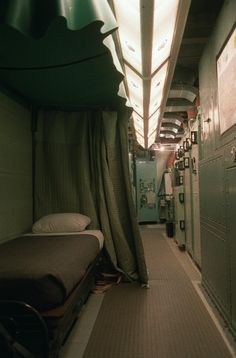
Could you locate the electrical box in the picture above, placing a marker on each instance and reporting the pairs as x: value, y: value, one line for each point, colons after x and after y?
x: 146, y: 186
x: 168, y: 184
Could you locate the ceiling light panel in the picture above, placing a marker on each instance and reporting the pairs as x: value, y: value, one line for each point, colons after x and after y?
x: 165, y: 13
x: 140, y: 140
x: 157, y: 87
x: 153, y: 122
x: 128, y: 19
x: 151, y: 139
x: 138, y: 123
x: 135, y: 87
x: 146, y: 48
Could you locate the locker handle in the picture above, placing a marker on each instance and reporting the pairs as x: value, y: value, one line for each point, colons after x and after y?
x: 182, y: 224
x: 181, y: 197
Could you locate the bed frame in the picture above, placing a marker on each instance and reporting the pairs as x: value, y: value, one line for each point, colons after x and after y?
x: 43, y: 333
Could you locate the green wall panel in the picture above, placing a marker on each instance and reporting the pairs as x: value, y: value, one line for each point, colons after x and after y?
x: 15, y: 169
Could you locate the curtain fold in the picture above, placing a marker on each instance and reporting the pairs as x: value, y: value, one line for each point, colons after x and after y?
x: 82, y: 166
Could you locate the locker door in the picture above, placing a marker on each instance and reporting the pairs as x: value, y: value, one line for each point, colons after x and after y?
x: 179, y: 217
x: 188, y: 208
x: 231, y: 223
x: 196, y: 209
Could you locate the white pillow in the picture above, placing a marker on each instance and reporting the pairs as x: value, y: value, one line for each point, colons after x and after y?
x: 63, y: 222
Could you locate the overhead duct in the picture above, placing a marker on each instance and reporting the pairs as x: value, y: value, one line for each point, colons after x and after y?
x: 179, y: 135
x: 170, y: 147
x: 180, y: 99
x: 183, y: 91
x: 169, y: 129
x: 170, y: 125
x: 171, y: 121
x: 167, y: 136
x: 179, y: 105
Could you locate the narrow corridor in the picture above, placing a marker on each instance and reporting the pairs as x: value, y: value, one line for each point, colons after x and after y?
x: 168, y: 320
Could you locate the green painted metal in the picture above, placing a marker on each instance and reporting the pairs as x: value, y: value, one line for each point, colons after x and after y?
x: 146, y: 186
x: 15, y: 169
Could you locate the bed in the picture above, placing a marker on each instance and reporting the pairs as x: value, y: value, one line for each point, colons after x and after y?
x: 52, y: 272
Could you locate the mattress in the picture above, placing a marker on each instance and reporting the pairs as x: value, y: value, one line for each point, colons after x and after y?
x: 96, y: 233
x: 42, y: 270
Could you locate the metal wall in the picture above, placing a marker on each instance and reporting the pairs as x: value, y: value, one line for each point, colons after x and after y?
x: 15, y: 169
x: 217, y: 179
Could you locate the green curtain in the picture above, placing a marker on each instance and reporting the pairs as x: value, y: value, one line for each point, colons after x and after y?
x: 81, y: 165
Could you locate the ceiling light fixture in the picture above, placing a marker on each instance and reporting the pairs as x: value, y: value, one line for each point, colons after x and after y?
x: 148, y: 39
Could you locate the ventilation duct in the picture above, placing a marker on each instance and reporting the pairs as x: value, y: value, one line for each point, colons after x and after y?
x: 179, y: 105
x: 168, y: 136
x: 171, y: 121
x: 170, y: 147
x: 169, y: 129
x: 183, y: 91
